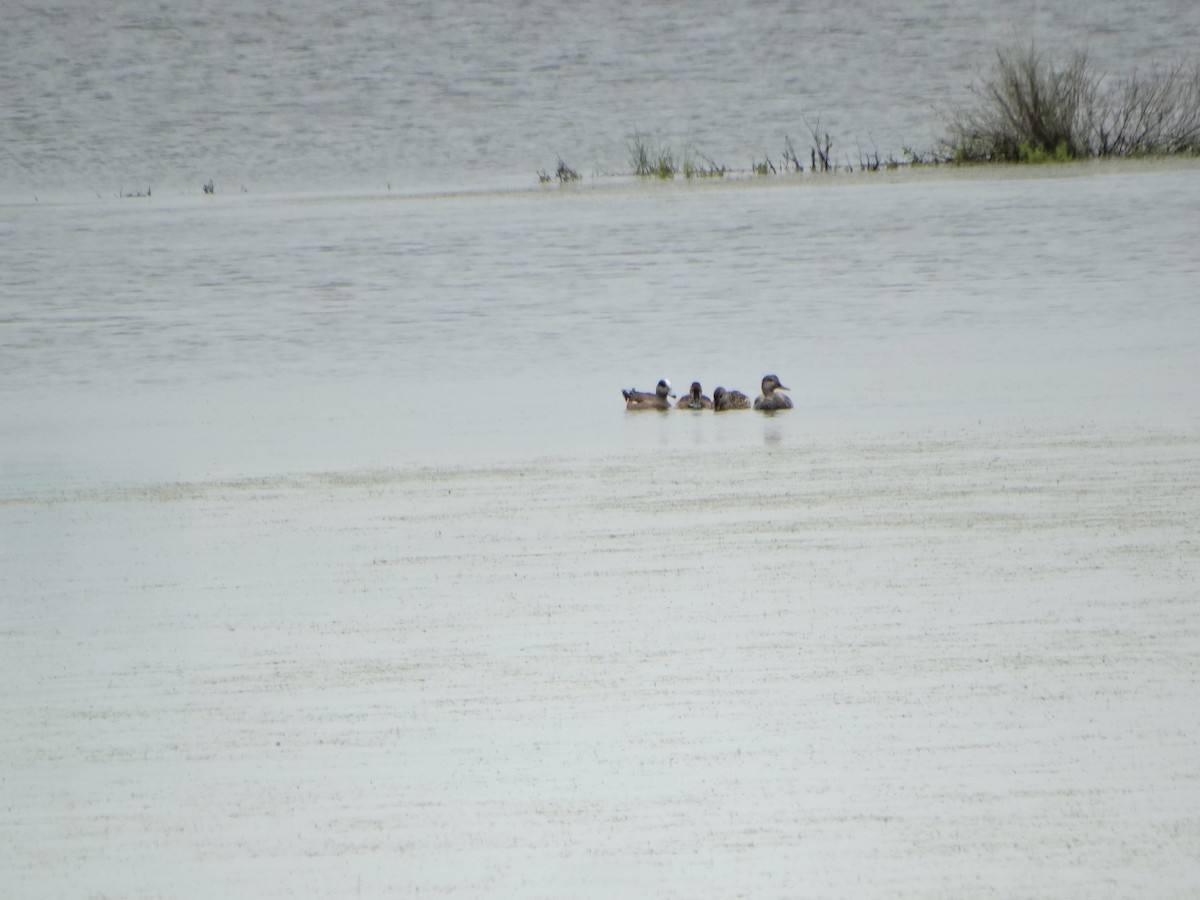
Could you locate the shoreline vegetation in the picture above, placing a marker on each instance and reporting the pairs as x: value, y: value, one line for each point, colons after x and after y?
x: 1030, y: 110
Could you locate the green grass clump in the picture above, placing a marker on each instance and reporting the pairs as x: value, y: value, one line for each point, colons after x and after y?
x: 697, y: 165
x: 1036, y: 155
x: 648, y: 159
x: 664, y: 166
x: 641, y: 155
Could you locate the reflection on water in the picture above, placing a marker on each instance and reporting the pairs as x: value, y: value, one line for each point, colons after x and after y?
x: 772, y: 430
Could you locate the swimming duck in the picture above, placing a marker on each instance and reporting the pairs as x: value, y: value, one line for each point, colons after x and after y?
x: 635, y: 399
x: 695, y: 399
x: 769, y: 400
x: 723, y: 399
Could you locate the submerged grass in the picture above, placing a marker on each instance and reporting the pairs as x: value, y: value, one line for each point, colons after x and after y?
x: 564, y: 173
x: 650, y: 159
x: 697, y: 165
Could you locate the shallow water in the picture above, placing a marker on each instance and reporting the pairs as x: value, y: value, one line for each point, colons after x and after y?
x: 244, y: 335
x: 918, y: 667
x: 331, y: 561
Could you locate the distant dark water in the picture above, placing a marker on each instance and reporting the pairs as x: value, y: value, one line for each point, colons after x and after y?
x: 131, y: 94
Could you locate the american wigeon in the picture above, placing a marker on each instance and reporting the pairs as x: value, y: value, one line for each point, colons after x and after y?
x: 660, y: 399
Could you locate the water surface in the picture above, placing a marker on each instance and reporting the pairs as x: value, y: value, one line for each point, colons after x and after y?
x: 330, y: 561
x: 132, y: 95
x: 233, y: 334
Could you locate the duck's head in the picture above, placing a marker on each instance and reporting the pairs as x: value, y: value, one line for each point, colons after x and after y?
x: 696, y: 390
x: 772, y: 383
x: 664, y: 389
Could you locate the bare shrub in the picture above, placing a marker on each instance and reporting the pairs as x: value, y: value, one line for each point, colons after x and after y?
x: 1028, y: 103
x: 819, y: 153
x: 1156, y: 114
x: 1032, y: 110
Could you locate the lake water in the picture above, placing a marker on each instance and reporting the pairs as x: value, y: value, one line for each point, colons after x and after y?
x: 131, y: 95
x: 331, y: 562
x: 391, y: 256
x: 237, y: 335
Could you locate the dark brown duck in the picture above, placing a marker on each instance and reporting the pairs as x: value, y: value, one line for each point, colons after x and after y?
x: 694, y: 399
x: 723, y: 400
x: 769, y: 400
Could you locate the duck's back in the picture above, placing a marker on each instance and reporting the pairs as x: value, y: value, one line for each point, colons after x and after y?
x: 730, y: 400
x: 644, y: 400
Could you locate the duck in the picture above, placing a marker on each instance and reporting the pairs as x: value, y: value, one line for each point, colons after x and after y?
x: 723, y: 399
x: 769, y: 401
x: 660, y: 399
x: 694, y: 399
